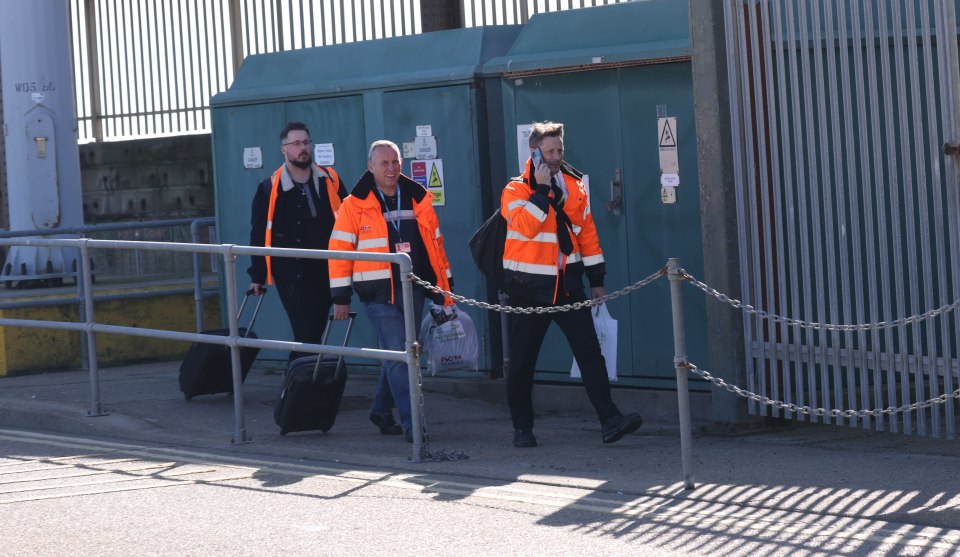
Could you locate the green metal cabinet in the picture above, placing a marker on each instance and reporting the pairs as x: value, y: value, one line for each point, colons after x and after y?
x: 351, y: 95
x: 608, y: 89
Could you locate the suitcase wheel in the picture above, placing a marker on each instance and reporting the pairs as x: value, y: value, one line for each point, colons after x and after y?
x: 186, y: 396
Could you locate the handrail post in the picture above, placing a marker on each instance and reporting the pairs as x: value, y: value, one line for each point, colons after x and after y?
x: 680, y: 360
x: 413, y: 359
x: 197, y: 277
x: 90, y: 336
x: 230, y: 276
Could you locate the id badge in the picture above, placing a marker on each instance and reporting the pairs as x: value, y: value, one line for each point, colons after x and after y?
x: 403, y: 247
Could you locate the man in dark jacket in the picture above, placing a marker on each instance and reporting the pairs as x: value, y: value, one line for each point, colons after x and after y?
x: 296, y: 208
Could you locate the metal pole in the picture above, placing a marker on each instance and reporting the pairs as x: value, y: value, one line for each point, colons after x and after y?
x: 230, y: 276
x: 680, y: 359
x: 81, y: 309
x: 197, y: 279
x: 413, y: 360
x: 95, y: 408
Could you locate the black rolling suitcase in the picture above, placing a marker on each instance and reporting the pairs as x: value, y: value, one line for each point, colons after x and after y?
x: 312, y: 389
x: 206, y: 370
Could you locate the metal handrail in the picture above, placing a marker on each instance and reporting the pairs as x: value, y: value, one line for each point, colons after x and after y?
x: 229, y: 253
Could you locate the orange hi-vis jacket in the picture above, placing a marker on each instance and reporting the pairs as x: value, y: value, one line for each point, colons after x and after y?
x: 361, y: 227
x: 332, y: 181
x: 532, y: 260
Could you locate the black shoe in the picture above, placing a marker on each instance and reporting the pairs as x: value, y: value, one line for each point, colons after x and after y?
x: 386, y: 424
x: 523, y: 438
x: 615, y: 427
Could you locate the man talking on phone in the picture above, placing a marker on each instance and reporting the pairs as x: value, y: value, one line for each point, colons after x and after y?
x: 551, y: 244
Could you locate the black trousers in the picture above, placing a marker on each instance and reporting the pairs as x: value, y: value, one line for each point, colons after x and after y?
x: 307, y: 303
x: 526, y: 337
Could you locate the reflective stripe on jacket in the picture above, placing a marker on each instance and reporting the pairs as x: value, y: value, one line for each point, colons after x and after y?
x: 361, y: 227
x: 334, y: 187
x: 531, y: 255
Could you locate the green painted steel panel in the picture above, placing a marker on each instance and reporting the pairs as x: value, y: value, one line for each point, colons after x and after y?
x: 587, y: 104
x: 657, y: 231
x: 626, y: 32
x: 451, y: 112
x: 411, y: 61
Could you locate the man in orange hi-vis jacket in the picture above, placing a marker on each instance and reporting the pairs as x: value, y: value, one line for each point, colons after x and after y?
x: 551, y: 244
x: 295, y: 208
x: 387, y: 213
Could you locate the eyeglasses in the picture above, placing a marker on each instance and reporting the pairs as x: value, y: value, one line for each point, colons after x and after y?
x: 297, y: 144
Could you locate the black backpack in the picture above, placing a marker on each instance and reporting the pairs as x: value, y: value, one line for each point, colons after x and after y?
x: 486, y: 246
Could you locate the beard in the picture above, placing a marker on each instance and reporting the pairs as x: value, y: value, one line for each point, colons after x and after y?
x: 304, y: 164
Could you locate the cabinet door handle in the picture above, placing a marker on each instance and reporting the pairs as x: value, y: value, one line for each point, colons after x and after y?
x: 616, y: 194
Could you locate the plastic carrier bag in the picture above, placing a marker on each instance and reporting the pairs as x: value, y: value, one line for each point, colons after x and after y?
x: 449, y: 340
x: 606, y: 327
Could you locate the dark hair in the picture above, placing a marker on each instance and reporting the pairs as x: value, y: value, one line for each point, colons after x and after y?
x: 291, y: 126
x: 544, y: 129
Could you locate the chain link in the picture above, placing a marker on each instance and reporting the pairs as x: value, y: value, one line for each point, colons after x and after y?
x: 807, y: 410
x: 540, y: 310
x: 914, y: 319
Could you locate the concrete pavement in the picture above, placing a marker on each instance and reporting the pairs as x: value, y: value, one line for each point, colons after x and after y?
x: 831, y: 471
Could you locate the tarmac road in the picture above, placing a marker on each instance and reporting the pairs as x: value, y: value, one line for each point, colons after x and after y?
x: 158, y: 476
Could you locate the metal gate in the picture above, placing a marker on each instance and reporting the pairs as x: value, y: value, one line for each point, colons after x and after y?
x: 845, y: 120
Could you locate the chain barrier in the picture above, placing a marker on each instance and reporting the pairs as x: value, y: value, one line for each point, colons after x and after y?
x: 540, y: 310
x: 809, y: 411
x: 438, y: 455
x: 747, y: 308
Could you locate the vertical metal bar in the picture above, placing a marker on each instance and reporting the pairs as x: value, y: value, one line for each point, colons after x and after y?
x: 236, y: 34
x: 805, y: 341
x: 680, y: 361
x: 197, y: 276
x: 230, y: 276
x: 208, y: 89
x: 95, y: 407
x: 905, y: 186
x: 147, y: 69
x: 786, y: 208
x: 849, y: 147
x: 109, y: 84
x: 885, y: 363
x: 413, y: 359
x: 162, y: 73
x: 93, y: 70
x: 833, y: 195
x: 756, y: 377
x: 734, y: 34
x: 761, y: 212
x: 133, y: 68
x: 819, y: 166
x: 945, y: 17
x: 932, y: 176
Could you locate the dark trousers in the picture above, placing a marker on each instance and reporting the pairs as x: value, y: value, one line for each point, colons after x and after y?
x: 307, y: 303
x: 526, y: 337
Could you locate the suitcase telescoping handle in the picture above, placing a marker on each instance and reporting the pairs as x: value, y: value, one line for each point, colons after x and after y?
x: 323, y: 340
x: 256, y: 309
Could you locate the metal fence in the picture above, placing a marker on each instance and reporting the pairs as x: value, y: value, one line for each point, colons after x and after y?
x: 148, y: 68
x: 848, y: 205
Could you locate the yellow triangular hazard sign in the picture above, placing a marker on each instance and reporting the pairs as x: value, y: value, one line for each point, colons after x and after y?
x: 666, y: 137
x: 435, y: 181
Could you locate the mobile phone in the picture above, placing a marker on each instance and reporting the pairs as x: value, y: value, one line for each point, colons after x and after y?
x: 537, y: 158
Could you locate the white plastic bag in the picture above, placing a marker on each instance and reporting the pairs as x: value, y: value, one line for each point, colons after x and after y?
x: 449, y: 340
x: 606, y: 327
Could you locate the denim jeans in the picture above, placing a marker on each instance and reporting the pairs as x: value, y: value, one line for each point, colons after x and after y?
x: 393, y: 386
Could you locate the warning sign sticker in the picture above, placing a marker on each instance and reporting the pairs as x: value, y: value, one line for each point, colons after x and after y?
x: 429, y: 174
x: 667, y: 144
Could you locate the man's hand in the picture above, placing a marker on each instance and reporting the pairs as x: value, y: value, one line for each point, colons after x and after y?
x: 542, y: 174
x: 341, y: 312
x: 256, y: 289
x: 597, y: 292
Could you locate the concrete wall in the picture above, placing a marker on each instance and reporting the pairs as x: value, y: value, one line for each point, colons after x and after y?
x: 147, y: 179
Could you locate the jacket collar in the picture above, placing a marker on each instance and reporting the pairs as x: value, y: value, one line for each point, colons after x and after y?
x: 316, y: 172
x: 565, y: 169
x: 363, y: 190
